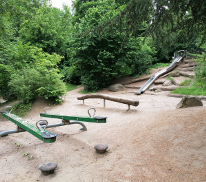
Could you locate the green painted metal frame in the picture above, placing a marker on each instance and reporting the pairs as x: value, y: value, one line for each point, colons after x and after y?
x: 96, y: 119
x: 25, y: 125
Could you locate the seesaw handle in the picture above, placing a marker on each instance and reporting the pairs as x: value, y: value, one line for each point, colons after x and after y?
x: 89, y: 112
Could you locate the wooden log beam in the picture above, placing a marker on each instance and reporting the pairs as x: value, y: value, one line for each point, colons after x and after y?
x: 189, y: 65
x: 107, y: 97
x: 187, y: 74
x: 137, y: 80
x: 167, y: 88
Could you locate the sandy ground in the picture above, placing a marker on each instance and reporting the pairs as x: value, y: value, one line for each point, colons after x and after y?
x: 151, y: 142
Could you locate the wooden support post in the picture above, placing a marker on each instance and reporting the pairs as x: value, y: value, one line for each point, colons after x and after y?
x: 104, y: 102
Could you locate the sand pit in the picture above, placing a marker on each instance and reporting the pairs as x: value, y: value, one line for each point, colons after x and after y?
x: 150, y: 142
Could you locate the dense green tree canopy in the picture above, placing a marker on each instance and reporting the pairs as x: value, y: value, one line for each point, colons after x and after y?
x: 47, y: 28
x: 97, y: 42
x: 176, y: 16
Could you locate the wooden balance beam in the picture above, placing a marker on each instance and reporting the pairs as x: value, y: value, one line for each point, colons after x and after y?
x: 107, y: 97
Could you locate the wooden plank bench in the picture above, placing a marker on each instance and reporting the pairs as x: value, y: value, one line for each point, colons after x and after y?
x: 108, y: 97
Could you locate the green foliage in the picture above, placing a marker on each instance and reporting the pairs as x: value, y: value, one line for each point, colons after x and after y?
x: 70, y: 87
x: 186, y: 83
x: 30, y: 69
x: 71, y: 74
x: 48, y: 28
x: 144, y: 57
x: 199, y: 86
x: 29, y: 83
x: 29, y: 156
x: 18, y: 144
x: 53, y: 87
x: 13, y: 13
x: 80, y: 8
x: 200, y: 70
x: 25, y: 83
x: 195, y: 89
x: 18, y: 55
x: 20, y: 109
x: 102, y: 58
x: 159, y: 65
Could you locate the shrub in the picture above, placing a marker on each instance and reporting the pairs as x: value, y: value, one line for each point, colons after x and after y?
x: 20, y: 109
x: 30, y: 83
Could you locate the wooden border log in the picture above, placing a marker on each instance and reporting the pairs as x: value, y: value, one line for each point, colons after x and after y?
x: 107, y: 97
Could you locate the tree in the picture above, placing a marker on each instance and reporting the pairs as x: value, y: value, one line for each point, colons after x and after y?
x: 175, y: 16
x: 48, y: 29
x: 28, y: 72
x: 100, y: 59
x: 16, y: 12
x: 80, y: 8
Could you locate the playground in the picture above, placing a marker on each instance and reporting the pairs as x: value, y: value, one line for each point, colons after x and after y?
x: 153, y: 141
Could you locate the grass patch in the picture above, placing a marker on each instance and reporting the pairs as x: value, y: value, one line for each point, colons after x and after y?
x: 186, y: 83
x: 70, y: 87
x: 195, y: 89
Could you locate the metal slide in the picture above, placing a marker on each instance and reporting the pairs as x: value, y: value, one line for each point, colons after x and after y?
x: 178, y: 56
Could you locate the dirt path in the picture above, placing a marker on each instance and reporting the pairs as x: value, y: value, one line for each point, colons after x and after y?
x: 151, y: 142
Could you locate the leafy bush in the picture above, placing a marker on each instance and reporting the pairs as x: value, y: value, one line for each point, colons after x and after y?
x: 30, y: 83
x: 53, y: 87
x: 32, y: 71
x: 21, y: 55
x: 20, y: 109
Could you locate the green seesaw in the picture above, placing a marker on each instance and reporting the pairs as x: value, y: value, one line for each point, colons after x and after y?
x: 94, y: 119
x: 39, y: 130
